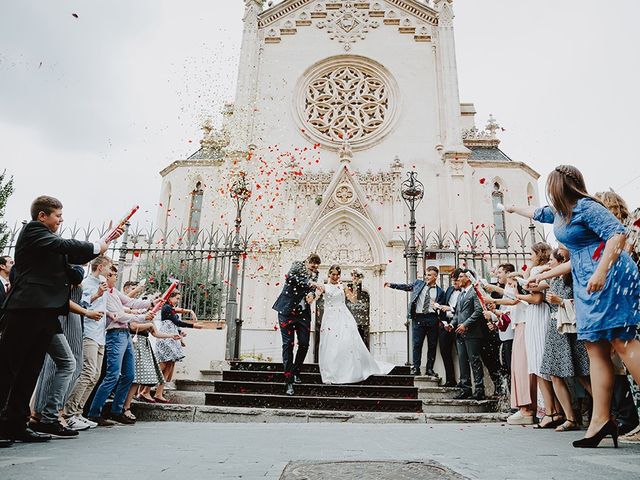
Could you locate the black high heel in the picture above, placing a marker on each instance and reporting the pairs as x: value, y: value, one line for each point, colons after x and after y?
x: 609, y: 428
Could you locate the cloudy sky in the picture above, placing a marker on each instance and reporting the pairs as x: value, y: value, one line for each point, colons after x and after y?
x: 93, y: 107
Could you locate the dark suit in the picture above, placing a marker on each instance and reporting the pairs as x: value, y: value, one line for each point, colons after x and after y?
x: 39, y: 293
x: 447, y: 340
x: 423, y: 324
x: 469, y: 313
x: 294, y: 317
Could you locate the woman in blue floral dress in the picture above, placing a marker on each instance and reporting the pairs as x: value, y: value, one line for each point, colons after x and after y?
x: 606, y: 286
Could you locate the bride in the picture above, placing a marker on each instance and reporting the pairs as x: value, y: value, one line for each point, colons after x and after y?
x: 344, y: 358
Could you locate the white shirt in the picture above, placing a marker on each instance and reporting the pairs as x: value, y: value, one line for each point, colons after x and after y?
x: 453, y: 301
x: 5, y: 283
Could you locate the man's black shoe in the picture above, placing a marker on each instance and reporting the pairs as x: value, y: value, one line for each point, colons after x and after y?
x: 450, y: 385
x: 121, y: 418
x: 431, y: 373
x: 415, y: 371
x: 478, y: 396
x: 463, y: 395
x: 55, y: 429
x: 28, y: 436
x: 290, y: 391
x: 297, y: 379
x: 5, y: 443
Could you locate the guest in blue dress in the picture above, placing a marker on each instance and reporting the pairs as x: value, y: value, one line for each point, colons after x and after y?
x: 606, y: 286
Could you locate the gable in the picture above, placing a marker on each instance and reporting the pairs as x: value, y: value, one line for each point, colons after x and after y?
x: 301, y: 13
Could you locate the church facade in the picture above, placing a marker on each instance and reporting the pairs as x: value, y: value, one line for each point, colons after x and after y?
x: 336, y: 102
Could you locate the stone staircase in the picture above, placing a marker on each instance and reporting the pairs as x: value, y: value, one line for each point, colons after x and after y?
x: 254, y: 392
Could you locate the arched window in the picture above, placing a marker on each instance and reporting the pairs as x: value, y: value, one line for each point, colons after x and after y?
x: 497, y: 198
x: 531, y: 195
x: 195, y: 212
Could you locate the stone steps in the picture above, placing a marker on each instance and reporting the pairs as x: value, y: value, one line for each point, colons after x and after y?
x: 197, y: 413
x: 313, y: 378
x: 256, y: 366
x: 458, y: 406
x: 314, y: 402
x: 436, y: 393
x: 259, y: 387
x: 318, y: 390
x: 195, y: 385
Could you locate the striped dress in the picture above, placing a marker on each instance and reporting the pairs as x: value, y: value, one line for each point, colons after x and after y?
x: 536, y: 326
x: 72, y: 330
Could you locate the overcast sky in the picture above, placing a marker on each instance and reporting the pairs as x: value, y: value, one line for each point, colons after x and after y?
x: 92, y: 108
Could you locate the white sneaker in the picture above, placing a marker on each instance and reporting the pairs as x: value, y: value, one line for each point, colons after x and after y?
x: 74, y: 423
x: 87, y: 421
x: 519, y: 419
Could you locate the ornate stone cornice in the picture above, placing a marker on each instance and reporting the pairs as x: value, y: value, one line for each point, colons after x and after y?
x: 502, y: 165
x: 188, y: 163
x: 411, y: 7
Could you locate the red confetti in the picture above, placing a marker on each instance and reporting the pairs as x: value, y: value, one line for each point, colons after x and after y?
x: 379, y: 228
x: 524, y: 268
x: 637, y: 223
x: 483, y: 181
x: 598, y: 252
x: 136, y: 253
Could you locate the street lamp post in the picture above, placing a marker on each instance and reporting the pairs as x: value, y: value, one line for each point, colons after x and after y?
x: 240, y: 193
x: 412, y: 193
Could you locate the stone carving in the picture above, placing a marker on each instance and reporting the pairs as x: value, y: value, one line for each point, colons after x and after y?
x: 377, y: 187
x: 348, y: 24
x: 344, y: 194
x: 347, y: 102
x: 486, y: 137
x: 345, y: 247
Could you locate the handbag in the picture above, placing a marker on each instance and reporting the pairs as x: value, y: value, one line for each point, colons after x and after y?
x: 566, y: 317
x: 503, y: 322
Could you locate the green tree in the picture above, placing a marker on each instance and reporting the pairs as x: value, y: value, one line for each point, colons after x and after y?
x: 200, y: 284
x: 6, y: 189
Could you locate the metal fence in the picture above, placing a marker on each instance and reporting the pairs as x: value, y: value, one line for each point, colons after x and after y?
x: 201, y: 260
x: 476, y: 248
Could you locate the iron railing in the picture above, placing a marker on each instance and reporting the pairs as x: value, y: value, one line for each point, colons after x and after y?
x: 201, y: 260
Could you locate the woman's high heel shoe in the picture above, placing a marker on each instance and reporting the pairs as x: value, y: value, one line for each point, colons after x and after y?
x: 609, y: 428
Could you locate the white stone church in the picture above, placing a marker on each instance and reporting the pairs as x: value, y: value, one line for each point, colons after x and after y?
x: 336, y: 101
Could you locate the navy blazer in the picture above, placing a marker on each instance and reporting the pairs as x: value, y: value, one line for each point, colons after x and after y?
x: 291, y: 300
x: 42, y: 259
x: 416, y: 289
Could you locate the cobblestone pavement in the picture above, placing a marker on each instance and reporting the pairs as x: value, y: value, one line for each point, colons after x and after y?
x: 263, y: 451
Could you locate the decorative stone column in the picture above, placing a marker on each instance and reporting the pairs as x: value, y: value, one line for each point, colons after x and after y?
x: 248, y: 71
x: 449, y: 96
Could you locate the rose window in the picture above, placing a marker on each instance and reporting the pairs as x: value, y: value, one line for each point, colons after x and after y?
x: 347, y: 102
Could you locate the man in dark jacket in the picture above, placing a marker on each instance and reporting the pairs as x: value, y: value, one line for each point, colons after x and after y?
x: 39, y: 293
x: 468, y: 323
x: 294, y: 315
x: 425, y: 318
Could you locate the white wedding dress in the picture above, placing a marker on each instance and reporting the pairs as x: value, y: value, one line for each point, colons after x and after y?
x: 344, y: 358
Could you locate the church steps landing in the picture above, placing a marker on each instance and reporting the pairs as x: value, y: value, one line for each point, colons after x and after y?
x: 437, y: 393
x: 314, y: 403
x: 458, y: 406
x: 314, y: 378
x: 195, y: 385
x: 319, y: 390
x: 256, y: 366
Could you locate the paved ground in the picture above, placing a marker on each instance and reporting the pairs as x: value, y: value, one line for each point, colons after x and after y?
x: 262, y: 451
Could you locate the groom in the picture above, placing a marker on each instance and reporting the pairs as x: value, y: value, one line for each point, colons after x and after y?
x: 294, y: 315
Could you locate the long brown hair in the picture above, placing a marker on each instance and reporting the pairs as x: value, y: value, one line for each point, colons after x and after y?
x: 565, y: 186
x: 615, y: 204
x: 542, y: 251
